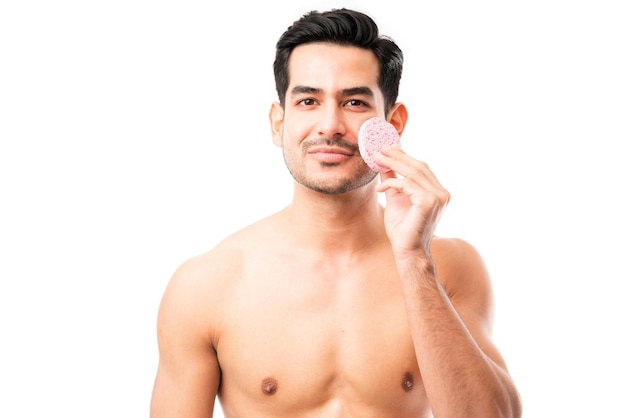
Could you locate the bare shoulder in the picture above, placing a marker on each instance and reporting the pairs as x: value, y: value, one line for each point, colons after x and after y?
x: 457, y: 258
x: 214, y: 268
x: 465, y: 277
x: 189, y: 324
x: 197, y: 288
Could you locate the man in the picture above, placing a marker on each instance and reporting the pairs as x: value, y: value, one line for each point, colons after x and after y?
x: 335, y: 306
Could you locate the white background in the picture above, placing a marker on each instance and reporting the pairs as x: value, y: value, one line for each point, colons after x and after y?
x: 134, y: 135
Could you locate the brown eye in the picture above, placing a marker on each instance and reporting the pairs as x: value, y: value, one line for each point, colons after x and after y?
x: 356, y: 103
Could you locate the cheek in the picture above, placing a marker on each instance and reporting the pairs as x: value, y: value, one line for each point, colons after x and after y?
x: 291, y: 139
x: 299, y: 126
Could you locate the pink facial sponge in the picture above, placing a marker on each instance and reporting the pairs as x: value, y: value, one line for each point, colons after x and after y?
x: 373, y: 134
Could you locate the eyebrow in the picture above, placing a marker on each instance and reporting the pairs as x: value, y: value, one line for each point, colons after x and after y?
x: 352, y: 91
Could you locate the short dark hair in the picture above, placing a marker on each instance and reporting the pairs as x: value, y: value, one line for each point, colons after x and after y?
x: 343, y: 27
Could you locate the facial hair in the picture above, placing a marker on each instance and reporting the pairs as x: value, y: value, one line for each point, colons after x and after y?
x: 338, y: 185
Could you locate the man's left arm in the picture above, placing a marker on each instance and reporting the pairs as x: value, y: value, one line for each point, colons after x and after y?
x: 463, y: 371
x: 448, y: 298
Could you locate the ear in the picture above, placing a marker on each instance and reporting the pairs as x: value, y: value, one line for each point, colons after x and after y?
x: 397, y: 116
x: 277, y: 118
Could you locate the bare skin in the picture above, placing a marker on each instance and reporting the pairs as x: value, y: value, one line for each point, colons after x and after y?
x: 335, y: 306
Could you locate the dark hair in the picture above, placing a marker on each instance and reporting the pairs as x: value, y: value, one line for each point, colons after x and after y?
x: 342, y: 27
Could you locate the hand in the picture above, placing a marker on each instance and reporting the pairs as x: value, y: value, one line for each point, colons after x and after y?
x: 415, y: 201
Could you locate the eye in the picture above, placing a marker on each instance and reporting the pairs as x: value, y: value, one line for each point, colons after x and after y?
x: 356, y: 103
x: 306, y: 102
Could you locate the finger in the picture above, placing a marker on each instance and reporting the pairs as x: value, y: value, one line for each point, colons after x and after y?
x: 384, y: 175
x: 390, y: 184
x: 405, y: 165
x: 433, y: 197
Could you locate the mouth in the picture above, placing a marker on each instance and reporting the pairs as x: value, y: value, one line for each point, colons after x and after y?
x: 330, y: 151
x: 330, y: 154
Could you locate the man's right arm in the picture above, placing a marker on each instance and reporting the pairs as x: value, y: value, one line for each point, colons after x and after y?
x: 188, y: 374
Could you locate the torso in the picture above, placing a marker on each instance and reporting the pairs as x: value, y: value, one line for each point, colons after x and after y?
x: 304, y: 335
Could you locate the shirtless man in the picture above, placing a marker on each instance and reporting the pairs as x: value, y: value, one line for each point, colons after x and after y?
x: 335, y: 306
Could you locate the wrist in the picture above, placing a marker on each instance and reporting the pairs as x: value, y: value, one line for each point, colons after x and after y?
x: 419, y: 260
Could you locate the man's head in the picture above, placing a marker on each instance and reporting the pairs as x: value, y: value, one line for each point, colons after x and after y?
x: 342, y: 27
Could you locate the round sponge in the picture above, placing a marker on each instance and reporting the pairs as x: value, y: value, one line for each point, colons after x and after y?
x: 373, y: 135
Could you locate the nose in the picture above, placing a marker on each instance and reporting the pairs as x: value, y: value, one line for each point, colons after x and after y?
x: 331, y: 123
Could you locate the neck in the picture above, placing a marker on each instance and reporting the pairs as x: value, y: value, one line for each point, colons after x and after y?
x: 337, y: 224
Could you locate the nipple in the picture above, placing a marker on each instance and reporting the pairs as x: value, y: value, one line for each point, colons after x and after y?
x: 407, y: 382
x: 269, y: 386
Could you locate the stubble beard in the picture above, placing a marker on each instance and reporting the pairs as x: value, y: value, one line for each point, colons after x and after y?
x: 338, y: 185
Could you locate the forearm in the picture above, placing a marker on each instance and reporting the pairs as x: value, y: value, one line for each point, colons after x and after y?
x: 461, y: 380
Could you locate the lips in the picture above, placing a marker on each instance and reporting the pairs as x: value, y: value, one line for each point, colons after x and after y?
x: 330, y: 154
x: 331, y: 150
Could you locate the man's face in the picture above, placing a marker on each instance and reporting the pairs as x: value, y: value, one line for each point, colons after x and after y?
x: 332, y: 91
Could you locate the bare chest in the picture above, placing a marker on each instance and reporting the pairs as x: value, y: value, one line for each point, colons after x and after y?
x: 309, y: 339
